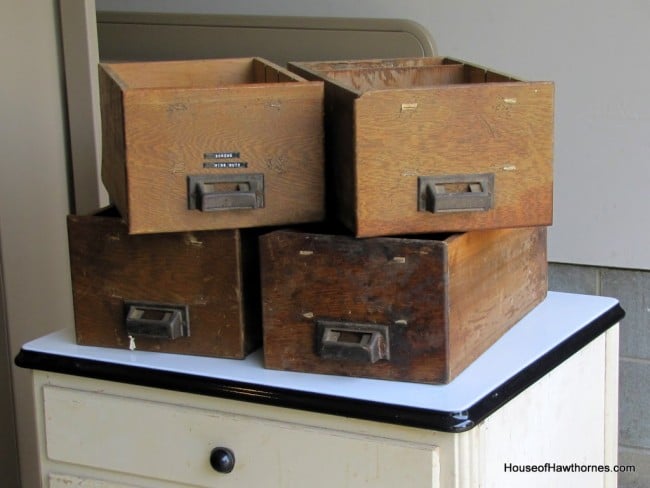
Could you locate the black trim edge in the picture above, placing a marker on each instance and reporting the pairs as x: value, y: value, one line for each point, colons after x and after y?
x: 544, y: 365
x: 454, y: 422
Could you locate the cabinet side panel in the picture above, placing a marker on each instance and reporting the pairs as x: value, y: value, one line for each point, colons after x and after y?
x: 566, y: 436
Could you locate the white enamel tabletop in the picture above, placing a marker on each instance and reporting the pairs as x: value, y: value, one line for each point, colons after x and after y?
x: 556, y: 319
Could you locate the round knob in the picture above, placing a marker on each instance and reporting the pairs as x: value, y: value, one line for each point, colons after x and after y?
x: 222, y: 459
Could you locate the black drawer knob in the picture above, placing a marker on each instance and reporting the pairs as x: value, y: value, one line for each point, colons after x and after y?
x: 222, y: 459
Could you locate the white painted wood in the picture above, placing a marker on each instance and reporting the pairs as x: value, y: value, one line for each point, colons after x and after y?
x: 561, y: 421
x: 155, y: 438
x: 168, y: 442
x: 81, y: 56
x: 66, y: 481
x: 468, y: 469
x: 611, y: 404
x: 34, y: 200
x: 118, y: 432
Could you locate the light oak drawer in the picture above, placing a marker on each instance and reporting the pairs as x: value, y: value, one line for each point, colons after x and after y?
x: 173, y: 443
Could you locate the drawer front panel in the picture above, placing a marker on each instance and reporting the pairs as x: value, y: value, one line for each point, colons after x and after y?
x: 407, y: 309
x: 173, y: 443
x: 420, y: 145
x: 66, y: 481
x: 251, y: 133
x: 195, y: 285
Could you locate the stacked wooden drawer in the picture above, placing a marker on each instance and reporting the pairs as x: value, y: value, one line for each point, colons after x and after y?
x: 411, y: 309
x: 426, y: 184
x: 416, y: 149
x: 211, y: 144
x: 435, y: 145
x: 197, y: 157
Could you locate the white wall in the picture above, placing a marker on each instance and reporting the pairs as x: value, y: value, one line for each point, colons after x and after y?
x: 33, y: 195
x: 594, y: 50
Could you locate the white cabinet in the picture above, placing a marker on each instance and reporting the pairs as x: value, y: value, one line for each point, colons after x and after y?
x: 124, y: 431
x: 164, y: 441
x: 55, y: 480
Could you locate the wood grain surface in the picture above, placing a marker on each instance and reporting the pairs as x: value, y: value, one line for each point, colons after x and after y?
x: 203, y: 270
x: 436, y: 118
x: 444, y: 299
x: 174, y: 113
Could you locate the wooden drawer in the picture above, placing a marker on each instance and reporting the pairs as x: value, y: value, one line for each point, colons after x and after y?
x: 435, y: 145
x: 173, y: 443
x: 187, y: 292
x: 393, y: 308
x: 211, y: 144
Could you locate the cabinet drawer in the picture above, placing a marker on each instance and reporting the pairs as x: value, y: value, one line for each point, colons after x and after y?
x: 67, y: 481
x: 173, y: 443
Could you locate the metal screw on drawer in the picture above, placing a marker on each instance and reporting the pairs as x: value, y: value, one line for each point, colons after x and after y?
x: 222, y: 459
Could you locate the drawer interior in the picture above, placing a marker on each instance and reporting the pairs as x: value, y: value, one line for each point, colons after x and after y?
x: 206, y: 73
x: 403, y: 73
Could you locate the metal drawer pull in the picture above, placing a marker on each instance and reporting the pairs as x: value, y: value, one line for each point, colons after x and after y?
x: 156, y: 320
x: 210, y: 193
x: 366, y: 343
x: 456, y: 193
x: 222, y: 459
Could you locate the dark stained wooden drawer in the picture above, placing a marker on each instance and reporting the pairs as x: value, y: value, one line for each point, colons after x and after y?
x: 188, y: 292
x: 416, y: 310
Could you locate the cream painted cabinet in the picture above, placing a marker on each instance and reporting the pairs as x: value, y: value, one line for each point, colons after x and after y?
x: 156, y: 440
x: 55, y: 480
x: 110, y: 418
